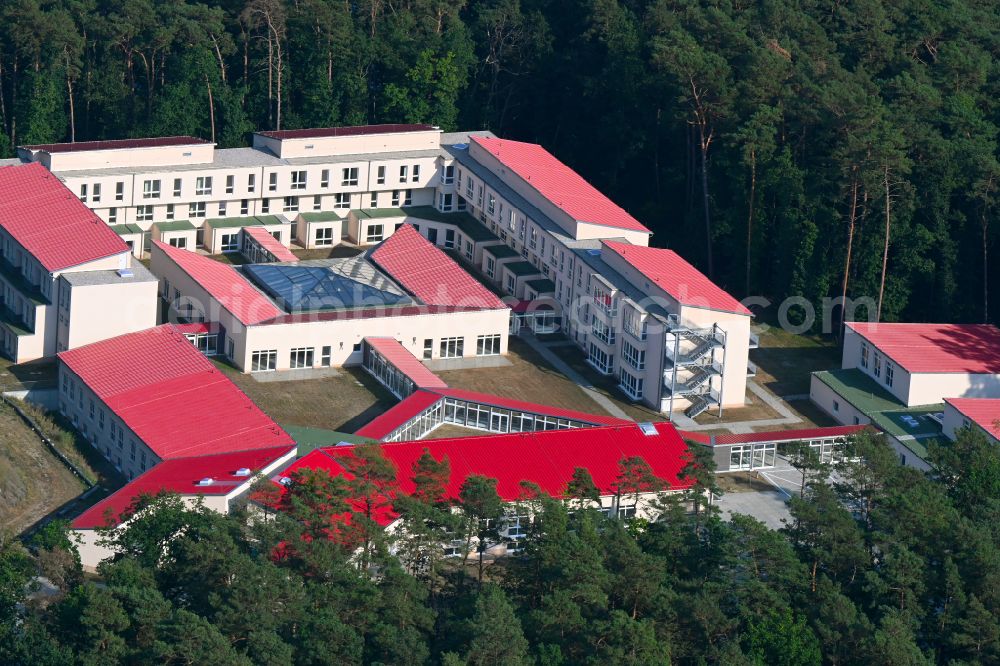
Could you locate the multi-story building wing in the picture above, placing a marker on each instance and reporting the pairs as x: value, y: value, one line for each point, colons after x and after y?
x: 671, y: 338
x: 62, y: 270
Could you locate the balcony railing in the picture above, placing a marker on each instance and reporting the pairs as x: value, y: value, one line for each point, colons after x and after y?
x: 16, y: 279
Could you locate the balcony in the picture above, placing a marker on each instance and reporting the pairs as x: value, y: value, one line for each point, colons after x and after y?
x: 16, y: 279
x: 13, y: 321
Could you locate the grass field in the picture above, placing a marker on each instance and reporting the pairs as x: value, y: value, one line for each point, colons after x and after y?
x: 33, y: 482
x: 344, y: 402
x: 785, y: 360
x: 528, y: 377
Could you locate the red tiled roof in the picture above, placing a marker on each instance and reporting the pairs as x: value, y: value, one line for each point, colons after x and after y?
x: 774, y: 435
x: 197, y: 327
x: 428, y: 273
x: 116, y: 144
x: 674, y: 275
x: 171, y: 396
x: 322, y: 132
x: 534, y: 408
x: 400, y: 357
x: 562, y: 186
x: 546, y: 458
x: 225, y: 284
x: 984, y: 412
x: 940, y: 348
x: 181, y: 475
x: 385, y: 423
x: 50, y: 222
x: 270, y: 243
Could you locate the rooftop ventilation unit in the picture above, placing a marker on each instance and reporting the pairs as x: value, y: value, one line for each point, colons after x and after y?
x: 285, y: 481
x: 648, y: 429
x: 461, y: 146
x: 243, y: 471
x: 125, y: 273
x: 594, y: 253
x: 207, y: 481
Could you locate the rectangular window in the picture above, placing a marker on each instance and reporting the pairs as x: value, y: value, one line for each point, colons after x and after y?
x: 511, y: 283
x: 179, y: 242
x: 324, y: 236
x: 428, y: 348
x: 603, y: 332
x: 222, y: 209
x: 448, y: 174
x: 600, y: 359
x: 449, y: 239
x: 864, y: 354
x: 349, y: 176
x: 230, y: 242
x: 380, y: 178
x: 404, y: 172
x: 196, y: 210
x: 119, y: 191
x: 416, y: 173
x: 324, y: 178
x: 244, y: 207
x: 374, y: 233
x: 469, y: 184
x: 272, y: 183
x: 889, y: 371
x: 112, y: 215
x: 341, y: 200
x: 445, y: 201
x: 265, y: 206
x: 395, y: 197
x: 251, y: 182
x: 83, y: 192
x: 634, y: 356
x: 203, y: 186
x: 230, y: 184
x: 631, y: 385
x: 878, y: 365
x: 317, y: 203
x: 291, y: 204
x: 144, y: 213
x: 407, y: 197
x: 298, y: 180
x: 491, y: 206
x: 96, y: 195
x: 151, y: 189
x: 452, y: 347
x: 301, y: 357
x: 325, y: 356
x: 171, y: 211
x: 488, y: 345
x: 373, y: 203
x: 490, y: 267
x: 262, y: 361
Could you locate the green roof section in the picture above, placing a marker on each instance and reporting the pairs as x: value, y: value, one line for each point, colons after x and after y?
x: 308, y: 439
x: 176, y: 225
x: 16, y: 278
x: 542, y: 286
x: 501, y: 251
x: 378, y: 213
x: 13, y: 322
x: 322, y: 216
x: 467, y: 224
x: 236, y: 222
x: 914, y: 427
x: 125, y: 229
x: 521, y: 268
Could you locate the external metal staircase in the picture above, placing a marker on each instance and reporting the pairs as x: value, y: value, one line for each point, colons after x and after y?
x: 693, y: 359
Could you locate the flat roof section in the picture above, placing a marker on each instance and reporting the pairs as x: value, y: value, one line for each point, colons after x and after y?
x: 239, y: 222
x: 323, y: 216
x: 308, y: 439
x: 116, y: 144
x: 521, y: 268
x: 360, y: 130
x: 543, y: 286
x: 501, y: 251
x: 135, y: 273
x: 174, y: 225
x: 936, y: 348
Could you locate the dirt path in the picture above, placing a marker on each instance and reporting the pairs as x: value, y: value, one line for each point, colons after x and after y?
x: 33, y: 482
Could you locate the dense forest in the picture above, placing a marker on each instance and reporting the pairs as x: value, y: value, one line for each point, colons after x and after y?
x: 885, y: 566
x: 788, y: 148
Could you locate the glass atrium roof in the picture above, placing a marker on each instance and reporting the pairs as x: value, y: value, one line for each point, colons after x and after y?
x: 325, y: 285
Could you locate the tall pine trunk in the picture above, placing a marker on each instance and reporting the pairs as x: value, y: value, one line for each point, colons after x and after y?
x: 852, y: 219
x: 885, y: 248
x: 750, y: 207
